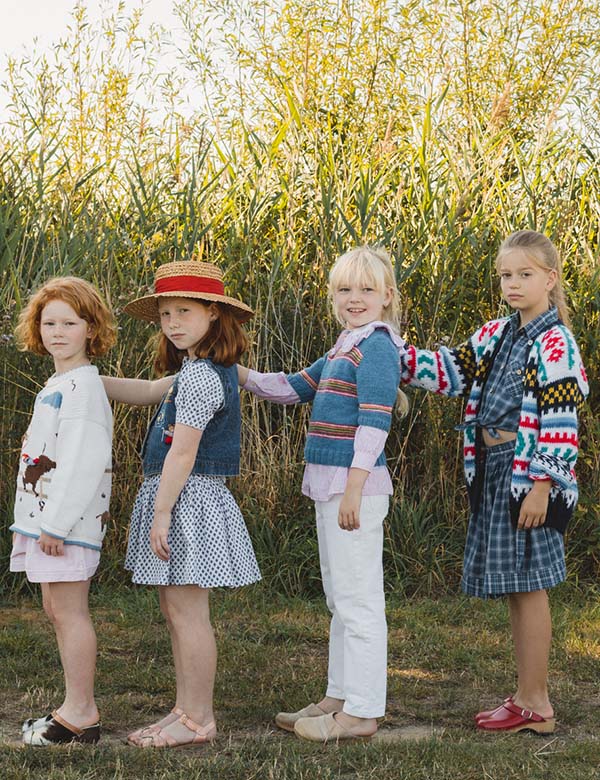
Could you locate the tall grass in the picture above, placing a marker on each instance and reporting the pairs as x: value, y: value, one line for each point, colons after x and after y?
x: 416, y: 126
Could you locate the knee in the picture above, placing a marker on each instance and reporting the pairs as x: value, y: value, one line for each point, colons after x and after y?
x: 361, y: 616
x: 175, y: 614
x: 179, y: 614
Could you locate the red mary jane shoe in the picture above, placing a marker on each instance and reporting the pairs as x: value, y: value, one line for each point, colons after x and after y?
x: 488, y: 713
x: 510, y: 718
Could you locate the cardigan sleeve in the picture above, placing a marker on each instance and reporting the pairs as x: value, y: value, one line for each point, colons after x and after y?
x: 562, y: 388
x: 447, y: 371
x: 306, y: 382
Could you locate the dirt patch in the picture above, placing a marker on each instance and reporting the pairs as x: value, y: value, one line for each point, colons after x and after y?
x: 404, y: 733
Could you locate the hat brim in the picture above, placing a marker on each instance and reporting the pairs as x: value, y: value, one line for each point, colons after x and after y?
x: 146, y: 308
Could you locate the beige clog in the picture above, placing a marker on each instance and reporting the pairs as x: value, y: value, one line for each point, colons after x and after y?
x: 324, y: 729
x: 287, y: 720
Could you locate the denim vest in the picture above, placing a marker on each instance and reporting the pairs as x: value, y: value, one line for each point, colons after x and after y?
x: 219, y: 448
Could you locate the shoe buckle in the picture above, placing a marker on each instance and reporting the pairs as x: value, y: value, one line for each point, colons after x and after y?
x: 527, y: 714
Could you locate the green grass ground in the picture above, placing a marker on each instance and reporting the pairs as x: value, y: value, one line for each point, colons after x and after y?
x: 448, y: 658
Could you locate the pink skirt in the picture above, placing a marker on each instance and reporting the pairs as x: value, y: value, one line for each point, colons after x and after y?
x: 77, y: 564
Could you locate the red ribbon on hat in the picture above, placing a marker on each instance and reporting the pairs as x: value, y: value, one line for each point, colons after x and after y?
x: 199, y: 284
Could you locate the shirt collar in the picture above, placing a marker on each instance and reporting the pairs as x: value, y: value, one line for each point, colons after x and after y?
x: 348, y: 339
x: 536, y: 326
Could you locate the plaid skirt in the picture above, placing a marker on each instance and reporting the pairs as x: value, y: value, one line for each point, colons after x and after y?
x: 499, y: 558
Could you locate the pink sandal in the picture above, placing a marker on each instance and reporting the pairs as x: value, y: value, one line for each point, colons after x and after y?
x: 162, y: 739
x: 132, y: 739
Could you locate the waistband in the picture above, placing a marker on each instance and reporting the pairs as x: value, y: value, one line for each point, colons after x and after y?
x: 498, y: 449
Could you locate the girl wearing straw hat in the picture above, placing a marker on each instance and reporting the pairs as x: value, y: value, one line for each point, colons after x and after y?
x: 187, y: 534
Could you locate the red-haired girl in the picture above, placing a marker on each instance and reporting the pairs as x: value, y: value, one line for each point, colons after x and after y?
x: 63, y: 490
x: 187, y: 533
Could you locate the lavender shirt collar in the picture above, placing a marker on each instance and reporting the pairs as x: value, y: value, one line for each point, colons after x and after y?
x: 348, y: 339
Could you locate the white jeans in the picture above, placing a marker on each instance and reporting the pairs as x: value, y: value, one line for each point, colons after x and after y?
x: 352, y: 573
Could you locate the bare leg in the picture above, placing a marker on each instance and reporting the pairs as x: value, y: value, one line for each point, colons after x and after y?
x: 532, y: 635
x: 186, y: 610
x: 170, y: 716
x: 66, y: 604
x: 174, y: 647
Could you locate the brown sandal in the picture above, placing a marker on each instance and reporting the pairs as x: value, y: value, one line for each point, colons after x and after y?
x: 57, y: 731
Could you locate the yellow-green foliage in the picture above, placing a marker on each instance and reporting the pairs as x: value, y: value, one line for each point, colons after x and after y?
x: 284, y: 133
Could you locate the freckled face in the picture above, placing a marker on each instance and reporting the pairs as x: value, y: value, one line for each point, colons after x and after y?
x: 185, y: 321
x: 64, y: 335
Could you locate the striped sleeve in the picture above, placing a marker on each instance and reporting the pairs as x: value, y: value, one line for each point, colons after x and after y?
x: 306, y: 382
x: 377, y: 379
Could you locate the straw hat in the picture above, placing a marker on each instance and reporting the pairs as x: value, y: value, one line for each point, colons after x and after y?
x: 187, y: 279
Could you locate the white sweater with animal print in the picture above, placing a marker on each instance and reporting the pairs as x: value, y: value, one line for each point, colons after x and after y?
x: 65, y: 472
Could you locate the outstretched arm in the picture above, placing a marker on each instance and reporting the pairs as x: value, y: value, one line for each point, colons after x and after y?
x: 283, y: 388
x: 450, y: 371
x: 270, y: 387
x: 137, y: 392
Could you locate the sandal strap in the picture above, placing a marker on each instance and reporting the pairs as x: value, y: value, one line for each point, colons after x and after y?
x: 200, y: 731
x: 527, y: 714
x: 69, y: 726
x: 79, y: 730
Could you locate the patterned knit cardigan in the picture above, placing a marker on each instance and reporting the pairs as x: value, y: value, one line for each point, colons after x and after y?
x: 554, y: 388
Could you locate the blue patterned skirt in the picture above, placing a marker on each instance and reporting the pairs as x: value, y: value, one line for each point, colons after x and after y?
x: 499, y: 558
x: 209, y: 542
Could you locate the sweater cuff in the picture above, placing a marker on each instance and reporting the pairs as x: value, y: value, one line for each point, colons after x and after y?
x: 545, y: 466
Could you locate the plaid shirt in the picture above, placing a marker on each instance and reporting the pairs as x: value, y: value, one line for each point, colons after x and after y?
x: 503, y: 393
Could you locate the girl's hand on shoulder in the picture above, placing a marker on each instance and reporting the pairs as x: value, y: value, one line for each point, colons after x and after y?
x: 159, y: 533
x: 349, y: 512
x: 242, y: 375
x: 535, y: 505
x: 50, y: 545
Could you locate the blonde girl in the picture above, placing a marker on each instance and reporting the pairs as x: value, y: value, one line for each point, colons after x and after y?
x: 524, y: 381
x: 63, y: 490
x: 353, y: 389
x: 187, y: 534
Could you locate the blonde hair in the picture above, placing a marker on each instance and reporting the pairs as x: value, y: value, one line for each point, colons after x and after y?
x: 542, y: 251
x: 370, y: 266
x: 367, y: 266
x: 85, y: 301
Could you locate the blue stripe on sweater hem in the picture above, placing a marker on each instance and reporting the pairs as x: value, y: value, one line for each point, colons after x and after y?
x: 16, y: 530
